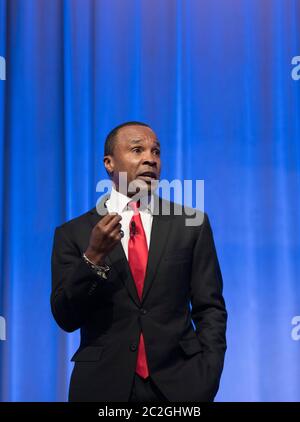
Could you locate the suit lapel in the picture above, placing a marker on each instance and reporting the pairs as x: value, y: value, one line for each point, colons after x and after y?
x: 118, y: 260
x: 159, y: 236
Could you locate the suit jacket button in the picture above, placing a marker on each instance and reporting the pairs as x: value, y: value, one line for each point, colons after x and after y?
x: 133, y: 347
x: 143, y: 311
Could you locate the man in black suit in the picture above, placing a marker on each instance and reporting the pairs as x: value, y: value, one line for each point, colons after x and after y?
x: 143, y: 286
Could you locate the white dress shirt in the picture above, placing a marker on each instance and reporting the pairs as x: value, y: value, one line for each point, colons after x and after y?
x: 118, y: 202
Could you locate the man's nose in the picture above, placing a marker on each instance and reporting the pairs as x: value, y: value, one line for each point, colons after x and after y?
x: 150, y: 162
x: 149, y: 158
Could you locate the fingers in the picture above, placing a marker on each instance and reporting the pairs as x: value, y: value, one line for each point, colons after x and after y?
x: 110, y: 217
x: 111, y: 226
x: 117, y: 233
x: 114, y: 223
x: 109, y: 222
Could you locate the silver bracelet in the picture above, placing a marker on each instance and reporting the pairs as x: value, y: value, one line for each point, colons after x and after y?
x: 101, y: 270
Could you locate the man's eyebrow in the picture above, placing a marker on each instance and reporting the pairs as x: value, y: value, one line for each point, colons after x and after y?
x: 138, y: 141
x: 135, y: 141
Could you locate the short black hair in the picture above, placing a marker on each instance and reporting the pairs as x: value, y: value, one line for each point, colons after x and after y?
x: 111, y: 138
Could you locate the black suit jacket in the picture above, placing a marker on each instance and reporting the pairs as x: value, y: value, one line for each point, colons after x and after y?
x: 183, y: 286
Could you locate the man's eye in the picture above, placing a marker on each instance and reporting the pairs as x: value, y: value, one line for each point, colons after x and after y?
x: 157, y: 151
x: 136, y: 149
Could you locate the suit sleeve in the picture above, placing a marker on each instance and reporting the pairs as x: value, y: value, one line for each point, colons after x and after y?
x: 208, y: 308
x: 75, y: 287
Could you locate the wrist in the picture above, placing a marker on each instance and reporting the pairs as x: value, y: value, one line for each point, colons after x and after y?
x: 95, y: 257
x: 101, y: 270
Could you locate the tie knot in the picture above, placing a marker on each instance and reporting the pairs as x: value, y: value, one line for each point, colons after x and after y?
x: 134, y: 206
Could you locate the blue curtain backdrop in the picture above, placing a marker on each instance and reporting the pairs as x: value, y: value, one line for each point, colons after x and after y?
x: 213, y: 78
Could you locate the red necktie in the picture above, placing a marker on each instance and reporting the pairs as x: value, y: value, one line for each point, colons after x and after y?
x: 137, y: 259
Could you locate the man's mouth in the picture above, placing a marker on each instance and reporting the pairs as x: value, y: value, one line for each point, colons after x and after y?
x: 147, y: 175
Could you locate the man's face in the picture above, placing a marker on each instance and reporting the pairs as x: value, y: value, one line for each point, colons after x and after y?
x: 136, y: 152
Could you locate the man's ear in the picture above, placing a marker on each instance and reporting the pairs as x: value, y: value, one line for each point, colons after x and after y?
x: 108, y: 163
